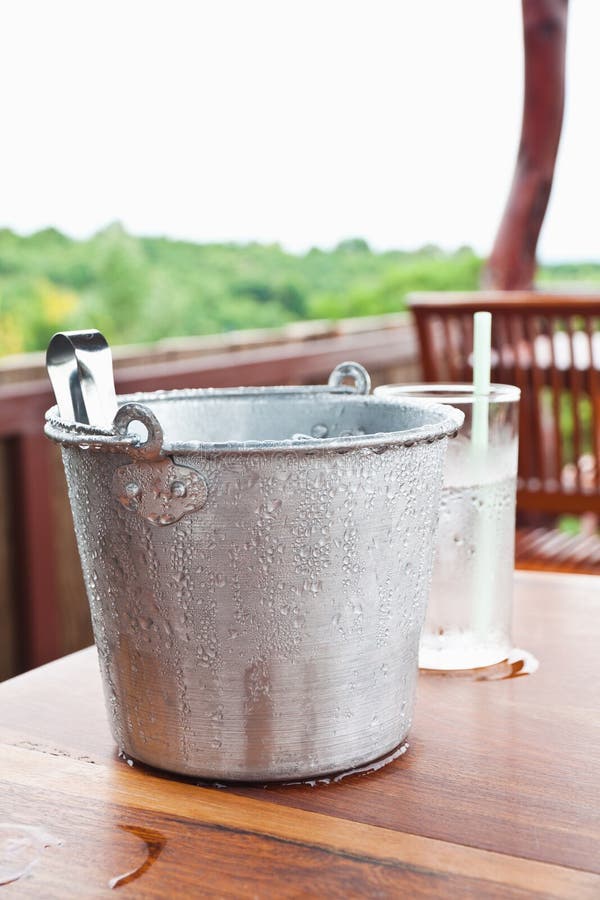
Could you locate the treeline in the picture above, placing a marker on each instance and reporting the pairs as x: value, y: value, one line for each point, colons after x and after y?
x: 142, y: 289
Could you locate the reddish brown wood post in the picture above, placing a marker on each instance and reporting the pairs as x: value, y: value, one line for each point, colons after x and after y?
x: 511, y: 265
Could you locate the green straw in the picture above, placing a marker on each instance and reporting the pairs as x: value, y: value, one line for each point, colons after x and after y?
x: 482, y: 353
x: 482, y: 361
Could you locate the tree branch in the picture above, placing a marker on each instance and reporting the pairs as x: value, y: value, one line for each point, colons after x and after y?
x: 512, y: 263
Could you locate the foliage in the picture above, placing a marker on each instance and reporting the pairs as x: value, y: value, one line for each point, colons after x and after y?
x: 144, y: 289
x: 582, y: 275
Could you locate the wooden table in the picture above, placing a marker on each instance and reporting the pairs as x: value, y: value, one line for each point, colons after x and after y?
x: 498, y: 795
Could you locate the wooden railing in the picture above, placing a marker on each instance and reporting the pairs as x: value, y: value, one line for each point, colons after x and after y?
x: 43, y: 609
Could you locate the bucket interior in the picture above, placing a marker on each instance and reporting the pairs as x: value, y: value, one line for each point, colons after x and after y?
x: 283, y: 417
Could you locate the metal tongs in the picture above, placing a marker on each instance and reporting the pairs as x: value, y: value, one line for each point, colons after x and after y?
x: 81, y: 371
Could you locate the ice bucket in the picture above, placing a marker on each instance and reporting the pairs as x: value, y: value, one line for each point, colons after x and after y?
x: 257, y: 562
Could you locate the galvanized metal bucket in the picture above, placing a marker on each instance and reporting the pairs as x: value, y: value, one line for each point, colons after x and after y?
x: 257, y: 562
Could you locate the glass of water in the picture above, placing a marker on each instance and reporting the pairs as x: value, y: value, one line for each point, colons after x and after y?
x: 468, y: 623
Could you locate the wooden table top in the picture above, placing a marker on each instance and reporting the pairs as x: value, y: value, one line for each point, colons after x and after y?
x: 498, y: 795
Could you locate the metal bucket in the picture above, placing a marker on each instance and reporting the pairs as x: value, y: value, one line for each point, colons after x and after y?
x: 257, y: 564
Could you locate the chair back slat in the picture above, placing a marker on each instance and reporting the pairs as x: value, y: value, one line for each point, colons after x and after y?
x: 556, y: 388
x: 540, y: 423
x: 593, y: 337
x: 572, y: 470
x: 451, y: 354
x: 549, y: 346
x: 503, y: 360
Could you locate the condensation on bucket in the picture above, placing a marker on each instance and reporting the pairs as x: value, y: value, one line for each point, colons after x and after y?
x: 272, y: 633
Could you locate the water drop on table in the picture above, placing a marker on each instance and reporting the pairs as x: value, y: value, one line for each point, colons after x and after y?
x: 154, y: 841
x: 20, y: 849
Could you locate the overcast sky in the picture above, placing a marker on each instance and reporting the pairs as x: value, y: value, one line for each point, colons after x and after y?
x: 298, y: 121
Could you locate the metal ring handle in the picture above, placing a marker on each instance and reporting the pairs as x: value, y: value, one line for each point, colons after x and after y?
x: 362, y: 379
x: 151, y: 448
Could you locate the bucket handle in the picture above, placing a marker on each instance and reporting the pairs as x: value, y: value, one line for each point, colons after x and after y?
x: 149, y: 447
x: 354, y: 370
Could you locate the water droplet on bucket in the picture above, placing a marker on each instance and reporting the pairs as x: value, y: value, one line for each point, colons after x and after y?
x: 178, y: 489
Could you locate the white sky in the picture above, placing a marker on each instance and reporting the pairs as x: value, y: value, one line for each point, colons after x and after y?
x: 298, y: 121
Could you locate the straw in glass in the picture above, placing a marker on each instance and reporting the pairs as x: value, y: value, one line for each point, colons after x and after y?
x: 482, y: 343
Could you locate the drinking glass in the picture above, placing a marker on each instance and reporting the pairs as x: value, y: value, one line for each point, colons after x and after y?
x: 468, y: 621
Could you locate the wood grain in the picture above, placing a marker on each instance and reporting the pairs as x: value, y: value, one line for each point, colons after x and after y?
x: 579, y: 304
x: 497, y: 797
x: 110, y: 790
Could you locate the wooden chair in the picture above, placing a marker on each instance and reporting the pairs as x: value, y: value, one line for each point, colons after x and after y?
x: 548, y: 345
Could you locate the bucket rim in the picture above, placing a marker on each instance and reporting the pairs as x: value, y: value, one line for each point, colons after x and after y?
x: 446, y: 421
